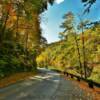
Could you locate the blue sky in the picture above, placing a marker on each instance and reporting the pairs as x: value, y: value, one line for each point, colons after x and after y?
x: 52, y: 18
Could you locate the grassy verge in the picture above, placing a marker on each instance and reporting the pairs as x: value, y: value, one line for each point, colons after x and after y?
x: 15, y: 78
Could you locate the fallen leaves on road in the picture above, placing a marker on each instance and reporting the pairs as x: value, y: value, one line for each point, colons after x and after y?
x: 95, y: 91
x: 83, y: 85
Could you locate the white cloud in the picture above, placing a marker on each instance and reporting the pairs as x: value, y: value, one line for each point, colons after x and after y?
x: 59, y: 1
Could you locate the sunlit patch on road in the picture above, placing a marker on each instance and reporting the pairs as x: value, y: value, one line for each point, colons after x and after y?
x: 22, y: 94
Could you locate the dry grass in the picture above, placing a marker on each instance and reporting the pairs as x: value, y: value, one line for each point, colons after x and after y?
x: 95, y: 91
x: 15, y: 78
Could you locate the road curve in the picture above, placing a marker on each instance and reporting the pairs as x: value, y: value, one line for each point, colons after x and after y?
x: 48, y: 85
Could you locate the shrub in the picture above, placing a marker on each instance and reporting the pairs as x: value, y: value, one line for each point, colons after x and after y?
x: 3, y: 64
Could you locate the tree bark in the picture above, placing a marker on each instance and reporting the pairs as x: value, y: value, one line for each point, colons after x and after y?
x: 36, y: 30
x: 78, y: 51
x: 2, y: 33
x: 84, y: 58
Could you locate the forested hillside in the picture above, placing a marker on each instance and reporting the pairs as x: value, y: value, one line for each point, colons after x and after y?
x: 64, y: 56
x: 21, y: 41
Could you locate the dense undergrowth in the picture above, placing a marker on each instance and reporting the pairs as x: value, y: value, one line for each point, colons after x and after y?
x: 13, y: 59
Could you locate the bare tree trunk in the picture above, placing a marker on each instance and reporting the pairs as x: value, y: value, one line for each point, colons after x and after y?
x: 17, y: 34
x: 84, y: 58
x: 83, y: 47
x: 78, y: 51
x: 36, y: 30
x: 2, y: 33
x: 17, y: 26
x: 26, y: 42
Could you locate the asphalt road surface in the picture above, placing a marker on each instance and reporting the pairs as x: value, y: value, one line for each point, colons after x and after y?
x: 48, y: 85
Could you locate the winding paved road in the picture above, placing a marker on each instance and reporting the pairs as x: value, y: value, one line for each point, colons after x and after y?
x: 48, y: 85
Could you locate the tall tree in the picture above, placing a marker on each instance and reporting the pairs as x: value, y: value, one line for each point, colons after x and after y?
x: 88, y: 4
x: 69, y: 26
x: 82, y: 27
